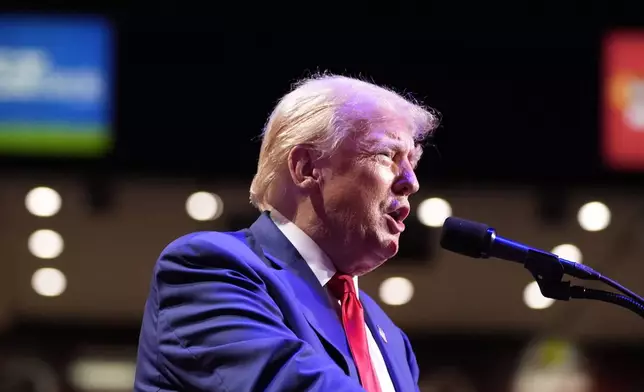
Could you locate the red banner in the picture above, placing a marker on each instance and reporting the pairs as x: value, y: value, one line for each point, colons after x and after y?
x: 623, y: 103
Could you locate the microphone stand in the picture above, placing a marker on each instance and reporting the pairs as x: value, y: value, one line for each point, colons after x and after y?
x: 549, y: 272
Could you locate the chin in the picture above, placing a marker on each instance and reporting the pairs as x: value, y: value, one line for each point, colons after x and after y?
x: 388, y: 247
x: 364, y: 269
x: 365, y: 264
x: 392, y: 247
x: 386, y: 251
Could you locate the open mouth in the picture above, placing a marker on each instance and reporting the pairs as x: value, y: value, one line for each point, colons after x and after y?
x: 395, y: 215
x: 399, y: 214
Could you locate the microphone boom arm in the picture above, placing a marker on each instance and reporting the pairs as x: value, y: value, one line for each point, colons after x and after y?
x: 548, y: 272
x: 607, y: 296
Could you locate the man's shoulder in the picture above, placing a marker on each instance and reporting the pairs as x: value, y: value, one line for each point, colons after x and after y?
x: 206, y: 239
x: 205, y: 245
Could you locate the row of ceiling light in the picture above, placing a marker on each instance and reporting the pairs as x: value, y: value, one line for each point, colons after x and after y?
x: 203, y: 206
x: 431, y: 212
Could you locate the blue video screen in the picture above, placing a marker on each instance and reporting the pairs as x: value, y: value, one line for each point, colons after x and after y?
x: 55, y: 86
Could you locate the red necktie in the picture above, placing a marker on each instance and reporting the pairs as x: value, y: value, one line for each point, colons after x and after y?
x: 342, y: 287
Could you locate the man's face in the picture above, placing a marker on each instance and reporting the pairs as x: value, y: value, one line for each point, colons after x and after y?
x: 364, y: 192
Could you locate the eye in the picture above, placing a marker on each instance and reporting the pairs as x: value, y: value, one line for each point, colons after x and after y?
x: 389, y: 154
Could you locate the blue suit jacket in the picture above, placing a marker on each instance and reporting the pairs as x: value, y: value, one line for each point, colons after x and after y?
x: 242, y: 311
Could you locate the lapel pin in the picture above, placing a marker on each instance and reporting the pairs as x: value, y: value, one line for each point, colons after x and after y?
x: 382, y: 334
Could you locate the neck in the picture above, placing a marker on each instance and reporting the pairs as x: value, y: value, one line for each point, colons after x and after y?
x: 305, y: 217
x: 313, y: 223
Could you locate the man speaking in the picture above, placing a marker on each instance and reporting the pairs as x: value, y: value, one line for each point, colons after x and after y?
x: 276, y: 307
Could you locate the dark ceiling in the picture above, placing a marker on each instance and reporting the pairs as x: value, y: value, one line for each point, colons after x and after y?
x: 519, y: 89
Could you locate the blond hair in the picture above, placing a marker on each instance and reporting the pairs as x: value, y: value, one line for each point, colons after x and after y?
x: 322, y: 111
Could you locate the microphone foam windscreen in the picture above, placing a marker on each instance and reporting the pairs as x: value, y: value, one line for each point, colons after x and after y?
x: 464, y: 237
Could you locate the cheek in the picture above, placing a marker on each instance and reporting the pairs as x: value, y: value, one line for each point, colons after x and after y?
x: 360, y: 188
x: 376, y: 181
x: 372, y: 190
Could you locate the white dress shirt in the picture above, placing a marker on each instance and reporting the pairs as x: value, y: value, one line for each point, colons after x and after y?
x: 323, y: 269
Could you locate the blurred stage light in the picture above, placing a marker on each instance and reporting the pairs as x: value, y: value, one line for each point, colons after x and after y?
x: 433, y: 212
x: 45, y: 244
x: 49, y: 282
x: 549, y: 365
x: 594, y: 216
x: 43, y: 201
x: 396, y: 291
x: 102, y: 374
x: 569, y: 252
x: 534, y: 299
x: 204, y: 206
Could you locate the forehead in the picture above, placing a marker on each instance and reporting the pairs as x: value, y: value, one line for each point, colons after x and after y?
x: 377, y: 124
x: 398, y: 133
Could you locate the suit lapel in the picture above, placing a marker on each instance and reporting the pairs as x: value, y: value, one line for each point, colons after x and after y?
x: 317, y: 309
x: 393, y: 365
x: 307, y: 291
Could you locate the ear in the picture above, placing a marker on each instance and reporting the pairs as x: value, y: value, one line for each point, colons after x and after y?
x: 302, y: 167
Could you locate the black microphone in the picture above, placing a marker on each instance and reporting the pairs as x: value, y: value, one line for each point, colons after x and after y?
x: 478, y: 240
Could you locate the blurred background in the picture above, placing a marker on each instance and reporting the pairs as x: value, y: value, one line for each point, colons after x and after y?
x: 124, y: 128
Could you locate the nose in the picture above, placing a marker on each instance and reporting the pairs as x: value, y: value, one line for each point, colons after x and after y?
x: 407, y: 183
